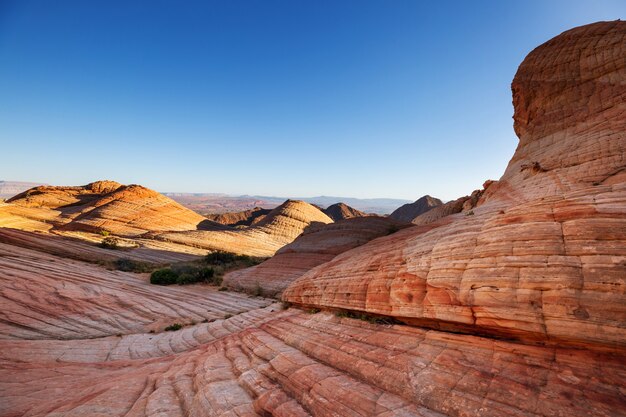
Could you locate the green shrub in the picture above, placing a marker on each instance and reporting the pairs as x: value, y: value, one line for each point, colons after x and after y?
x: 173, y: 327
x: 257, y: 291
x: 104, y: 232
x: 470, y: 213
x: 366, y: 317
x: 313, y: 310
x: 164, y: 276
x: 220, y: 257
x: 110, y: 242
x: 129, y: 265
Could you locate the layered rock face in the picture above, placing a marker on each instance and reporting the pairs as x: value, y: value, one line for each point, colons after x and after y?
x: 278, y: 228
x: 317, y: 245
x: 341, y: 211
x: 104, y: 205
x: 542, y: 258
x: 408, y: 212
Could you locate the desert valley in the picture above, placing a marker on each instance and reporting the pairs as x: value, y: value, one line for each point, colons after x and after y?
x: 117, y: 300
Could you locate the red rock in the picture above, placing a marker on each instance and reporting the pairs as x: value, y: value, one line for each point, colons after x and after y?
x: 540, y: 257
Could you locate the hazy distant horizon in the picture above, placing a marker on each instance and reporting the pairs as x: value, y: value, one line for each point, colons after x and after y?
x: 361, y: 98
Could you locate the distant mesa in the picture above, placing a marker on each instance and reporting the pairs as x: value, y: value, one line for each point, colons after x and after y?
x: 341, y: 211
x: 408, y: 212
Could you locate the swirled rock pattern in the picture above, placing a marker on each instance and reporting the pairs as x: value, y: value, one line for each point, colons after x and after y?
x: 542, y: 258
x: 317, y: 245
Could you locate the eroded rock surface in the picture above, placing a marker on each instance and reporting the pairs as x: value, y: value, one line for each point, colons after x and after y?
x: 542, y: 258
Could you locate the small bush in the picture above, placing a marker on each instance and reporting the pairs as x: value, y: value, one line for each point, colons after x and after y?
x: 366, y: 317
x: 164, y: 276
x: 173, y: 327
x: 258, y: 291
x: 110, y: 242
x: 129, y: 265
x: 220, y: 257
x: 470, y: 213
x: 104, y: 232
x: 313, y: 311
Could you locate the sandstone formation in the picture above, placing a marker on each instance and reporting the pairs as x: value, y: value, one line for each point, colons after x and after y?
x: 317, y: 245
x: 408, y: 212
x: 538, y: 259
x: 240, y: 218
x: 277, y: 229
x: 105, y: 205
x: 341, y: 211
x: 542, y: 258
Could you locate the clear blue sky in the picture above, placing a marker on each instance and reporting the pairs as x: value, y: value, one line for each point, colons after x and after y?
x: 289, y: 98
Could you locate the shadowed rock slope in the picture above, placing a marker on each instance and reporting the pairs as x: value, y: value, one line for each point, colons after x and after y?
x: 125, y: 210
x: 543, y: 256
x: 315, y: 246
x: 341, y: 211
x: 277, y: 229
x: 408, y: 212
x: 240, y: 218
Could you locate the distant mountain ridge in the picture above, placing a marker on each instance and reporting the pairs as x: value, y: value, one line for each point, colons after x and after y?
x: 11, y: 188
x: 214, y: 203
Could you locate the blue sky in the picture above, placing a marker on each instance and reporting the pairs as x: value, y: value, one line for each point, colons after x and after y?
x: 287, y: 98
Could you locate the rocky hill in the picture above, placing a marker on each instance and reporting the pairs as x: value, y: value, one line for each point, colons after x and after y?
x: 341, y: 211
x: 408, y: 212
x: 125, y: 210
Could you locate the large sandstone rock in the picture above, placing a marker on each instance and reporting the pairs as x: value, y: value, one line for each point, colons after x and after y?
x: 315, y: 246
x: 542, y: 258
x: 408, y: 212
x: 278, y: 228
